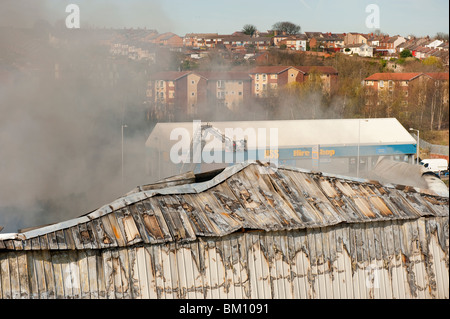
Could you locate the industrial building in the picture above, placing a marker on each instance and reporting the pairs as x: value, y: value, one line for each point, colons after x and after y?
x: 331, y: 145
x: 247, y: 231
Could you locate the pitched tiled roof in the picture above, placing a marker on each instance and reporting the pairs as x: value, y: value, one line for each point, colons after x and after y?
x: 167, y: 35
x: 439, y: 75
x: 169, y: 75
x: 407, y: 76
x: 269, y: 69
x: 393, y: 76
x: 321, y: 69
x: 233, y: 75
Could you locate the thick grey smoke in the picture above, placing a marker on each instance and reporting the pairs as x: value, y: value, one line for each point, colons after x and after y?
x: 63, y: 101
x: 93, y: 13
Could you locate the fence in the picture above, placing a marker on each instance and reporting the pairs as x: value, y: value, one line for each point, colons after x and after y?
x: 436, y: 151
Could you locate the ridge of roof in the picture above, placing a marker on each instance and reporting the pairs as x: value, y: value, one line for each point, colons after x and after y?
x: 269, y: 69
x: 229, y: 173
x: 399, y: 76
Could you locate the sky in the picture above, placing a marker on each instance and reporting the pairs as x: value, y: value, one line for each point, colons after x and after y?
x: 403, y: 17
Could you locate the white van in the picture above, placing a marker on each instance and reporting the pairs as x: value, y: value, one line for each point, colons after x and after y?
x: 436, y: 165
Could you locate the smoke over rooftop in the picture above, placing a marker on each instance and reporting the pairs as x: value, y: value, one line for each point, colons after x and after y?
x: 63, y: 102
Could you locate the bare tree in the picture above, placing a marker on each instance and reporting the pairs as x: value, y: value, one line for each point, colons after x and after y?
x: 441, y: 36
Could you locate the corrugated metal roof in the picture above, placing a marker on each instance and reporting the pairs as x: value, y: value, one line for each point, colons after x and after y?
x: 294, y: 133
x: 243, y: 196
x: 250, y: 232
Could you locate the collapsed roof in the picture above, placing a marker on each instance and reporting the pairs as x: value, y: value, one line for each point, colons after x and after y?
x: 248, y: 195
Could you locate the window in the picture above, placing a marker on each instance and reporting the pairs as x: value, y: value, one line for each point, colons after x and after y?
x: 219, y: 84
x: 257, y: 86
x: 381, y: 84
x: 274, y: 76
x: 240, y: 82
x: 257, y: 76
x: 264, y: 77
x: 193, y: 82
x: 240, y: 93
x: 193, y: 93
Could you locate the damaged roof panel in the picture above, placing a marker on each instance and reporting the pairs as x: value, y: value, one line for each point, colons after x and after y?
x: 243, y: 196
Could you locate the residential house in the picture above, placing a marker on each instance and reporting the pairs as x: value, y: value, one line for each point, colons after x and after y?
x: 354, y: 38
x: 169, y: 39
x: 181, y: 91
x: 383, y: 81
x: 297, y: 42
x: 261, y: 43
x: 311, y: 35
x: 434, y: 44
x: 386, y: 84
x: 233, y: 42
x: 362, y: 49
x: 374, y: 40
x: 422, y: 52
x: 230, y: 89
x: 276, y: 39
x: 269, y: 78
x: 187, y: 91
x: 327, y: 74
x: 332, y: 40
x: 134, y: 50
x: 443, y: 46
x: 390, y: 44
x: 412, y: 44
x: 197, y: 40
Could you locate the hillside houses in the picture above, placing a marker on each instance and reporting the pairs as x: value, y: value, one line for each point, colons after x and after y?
x: 361, y: 49
x: 141, y: 44
x: 267, y: 78
x: 187, y: 91
x: 422, y: 48
x: 355, y: 38
x: 326, y: 40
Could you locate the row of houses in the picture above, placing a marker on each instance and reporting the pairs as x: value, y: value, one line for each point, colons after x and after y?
x: 188, y: 89
x: 141, y: 44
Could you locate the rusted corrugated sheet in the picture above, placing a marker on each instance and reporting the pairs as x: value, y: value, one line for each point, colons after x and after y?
x: 247, y: 233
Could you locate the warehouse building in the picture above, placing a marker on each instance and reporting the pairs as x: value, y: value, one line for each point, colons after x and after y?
x: 249, y: 231
x: 350, y: 147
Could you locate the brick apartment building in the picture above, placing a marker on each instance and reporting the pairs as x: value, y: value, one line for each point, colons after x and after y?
x: 265, y: 78
x: 187, y: 91
x: 383, y: 85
